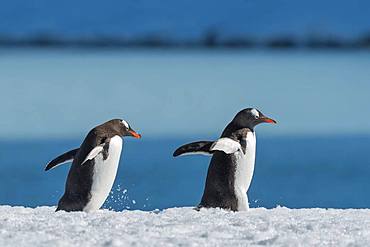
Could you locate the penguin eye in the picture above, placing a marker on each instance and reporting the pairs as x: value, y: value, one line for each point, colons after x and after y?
x: 127, y: 126
x: 255, y: 113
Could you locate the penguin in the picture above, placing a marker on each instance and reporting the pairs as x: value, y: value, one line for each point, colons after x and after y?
x: 232, y: 164
x: 94, y: 166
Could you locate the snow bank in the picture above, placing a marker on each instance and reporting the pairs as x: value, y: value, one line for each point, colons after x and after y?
x: 21, y: 226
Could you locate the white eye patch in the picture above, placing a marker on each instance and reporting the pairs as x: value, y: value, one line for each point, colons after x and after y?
x: 125, y: 123
x: 255, y: 113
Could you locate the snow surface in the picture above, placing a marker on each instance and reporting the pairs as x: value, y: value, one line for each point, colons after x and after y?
x: 21, y: 226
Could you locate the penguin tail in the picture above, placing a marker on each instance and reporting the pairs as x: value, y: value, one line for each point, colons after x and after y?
x: 201, y: 147
x: 62, y: 159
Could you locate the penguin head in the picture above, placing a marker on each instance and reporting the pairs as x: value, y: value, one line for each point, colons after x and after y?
x: 123, y: 128
x: 250, y: 117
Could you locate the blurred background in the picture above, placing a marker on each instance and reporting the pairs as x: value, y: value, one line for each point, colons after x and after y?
x: 178, y: 71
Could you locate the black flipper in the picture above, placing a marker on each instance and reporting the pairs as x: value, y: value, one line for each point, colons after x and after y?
x: 61, y: 159
x: 201, y: 147
x: 102, y: 148
x: 243, y: 143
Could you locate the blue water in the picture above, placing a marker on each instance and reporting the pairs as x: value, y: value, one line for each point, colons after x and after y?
x: 293, y: 172
x: 317, y: 155
x: 164, y: 93
x: 185, y: 19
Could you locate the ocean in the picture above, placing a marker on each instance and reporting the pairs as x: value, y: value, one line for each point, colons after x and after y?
x: 317, y: 155
x: 295, y: 172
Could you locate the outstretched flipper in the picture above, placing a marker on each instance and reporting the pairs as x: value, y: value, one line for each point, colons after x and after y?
x: 201, y: 147
x: 226, y: 145
x: 62, y: 159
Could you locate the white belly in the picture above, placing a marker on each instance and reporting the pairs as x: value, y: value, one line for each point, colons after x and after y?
x: 244, y: 171
x: 104, y: 175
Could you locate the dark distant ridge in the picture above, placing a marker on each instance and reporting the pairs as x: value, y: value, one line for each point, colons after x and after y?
x: 209, y: 40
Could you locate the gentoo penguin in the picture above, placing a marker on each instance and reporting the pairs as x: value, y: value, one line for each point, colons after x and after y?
x: 94, y: 166
x: 233, y: 155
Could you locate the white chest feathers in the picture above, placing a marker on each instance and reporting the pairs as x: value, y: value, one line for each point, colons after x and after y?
x: 104, y: 174
x: 244, y: 171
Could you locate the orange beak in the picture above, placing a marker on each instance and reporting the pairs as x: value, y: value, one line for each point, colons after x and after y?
x: 268, y: 120
x: 134, y: 134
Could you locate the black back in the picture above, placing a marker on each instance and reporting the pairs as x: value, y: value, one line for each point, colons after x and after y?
x: 219, y: 189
